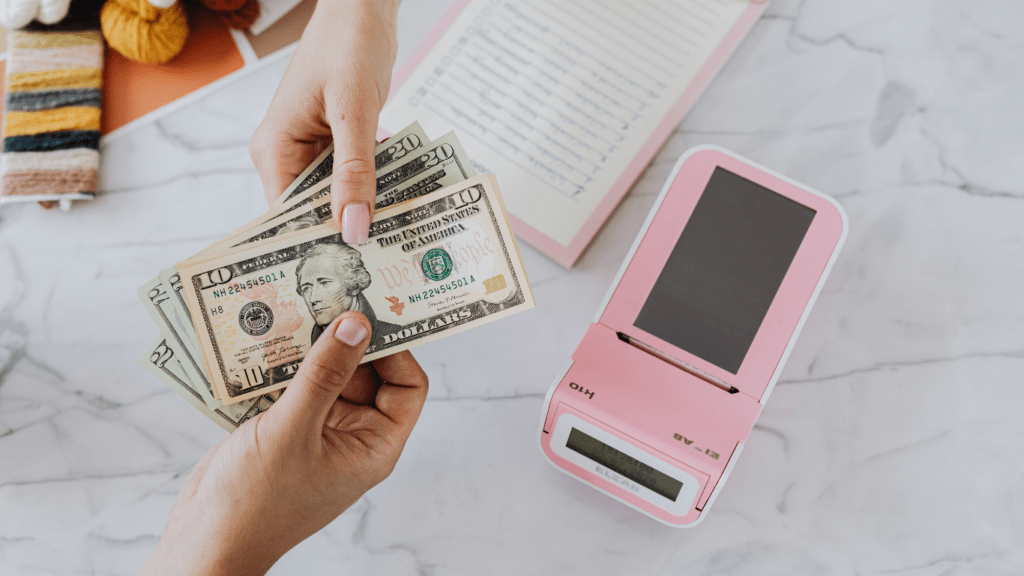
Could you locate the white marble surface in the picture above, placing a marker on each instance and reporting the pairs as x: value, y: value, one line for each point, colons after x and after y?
x: 892, y: 445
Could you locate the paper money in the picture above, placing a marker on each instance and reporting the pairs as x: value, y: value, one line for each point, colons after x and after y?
x: 442, y: 163
x: 162, y: 363
x: 310, y: 192
x: 433, y: 267
x: 391, y: 150
x: 172, y: 284
x: 165, y: 303
x: 387, y: 153
x: 239, y: 318
x: 313, y: 215
x: 156, y: 299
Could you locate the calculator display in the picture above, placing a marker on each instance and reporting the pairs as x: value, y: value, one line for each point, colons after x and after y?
x: 725, y: 269
x: 647, y: 476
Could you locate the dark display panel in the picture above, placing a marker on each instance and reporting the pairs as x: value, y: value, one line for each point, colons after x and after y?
x: 725, y: 269
x: 624, y: 464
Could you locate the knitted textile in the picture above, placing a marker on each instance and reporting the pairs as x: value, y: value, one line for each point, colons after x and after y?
x: 52, y: 116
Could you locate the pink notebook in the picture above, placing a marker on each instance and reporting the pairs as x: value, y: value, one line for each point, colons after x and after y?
x: 565, y: 100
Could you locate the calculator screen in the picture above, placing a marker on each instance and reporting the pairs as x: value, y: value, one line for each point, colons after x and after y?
x: 647, y: 476
x: 725, y: 270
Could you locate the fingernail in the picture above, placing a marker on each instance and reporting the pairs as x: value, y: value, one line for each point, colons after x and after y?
x: 350, y: 332
x: 355, y: 224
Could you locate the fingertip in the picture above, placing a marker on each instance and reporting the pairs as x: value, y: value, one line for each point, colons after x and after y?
x: 351, y: 332
x: 355, y: 223
x: 353, y: 191
x: 327, y: 368
x: 352, y: 328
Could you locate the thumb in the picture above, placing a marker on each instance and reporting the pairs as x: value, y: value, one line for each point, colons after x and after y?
x: 326, y: 370
x: 354, y: 179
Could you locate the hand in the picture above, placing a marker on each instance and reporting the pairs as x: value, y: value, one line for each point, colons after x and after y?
x: 334, y: 87
x: 290, y: 471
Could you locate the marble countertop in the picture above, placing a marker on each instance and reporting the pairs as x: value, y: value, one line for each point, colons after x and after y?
x: 892, y: 444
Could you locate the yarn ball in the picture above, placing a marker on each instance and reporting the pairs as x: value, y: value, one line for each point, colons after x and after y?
x: 53, y: 11
x: 142, y: 32
x: 18, y: 13
x: 223, y: 5
x: 243, y: 17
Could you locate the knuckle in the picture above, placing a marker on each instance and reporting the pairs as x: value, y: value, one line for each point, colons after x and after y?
x: 355, y: 172
x: 383, y: 467
x: 325, y: 376
x: 356, y: 166
x: 382, y: 88
x: 385, y: 470
x: 256, y: 147
x: 421, y: 381
x: 420, y: 378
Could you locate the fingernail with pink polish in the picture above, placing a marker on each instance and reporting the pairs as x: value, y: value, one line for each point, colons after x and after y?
x: 350, y: 332
x: 355, y: 224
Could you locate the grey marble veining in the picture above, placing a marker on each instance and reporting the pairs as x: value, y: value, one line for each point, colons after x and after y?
x: 892, y: 444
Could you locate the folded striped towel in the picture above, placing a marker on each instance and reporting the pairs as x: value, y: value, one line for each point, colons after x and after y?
x: 52, y: 116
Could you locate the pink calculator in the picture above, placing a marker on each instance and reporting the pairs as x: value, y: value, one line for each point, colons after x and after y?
x: 659, y: 397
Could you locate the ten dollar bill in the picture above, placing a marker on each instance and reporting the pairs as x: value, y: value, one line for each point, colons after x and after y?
x: 435, y: 266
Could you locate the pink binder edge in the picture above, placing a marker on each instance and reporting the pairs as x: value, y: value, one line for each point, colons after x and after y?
x: 567, y: 255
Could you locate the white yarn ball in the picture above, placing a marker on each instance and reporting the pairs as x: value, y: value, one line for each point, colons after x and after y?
x: 18, y: 13
x: 53, y: 11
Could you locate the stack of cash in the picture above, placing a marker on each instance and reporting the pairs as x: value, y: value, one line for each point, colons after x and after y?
x: 237, y: 319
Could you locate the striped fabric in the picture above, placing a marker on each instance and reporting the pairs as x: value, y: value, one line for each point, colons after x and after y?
x: 52, y: 116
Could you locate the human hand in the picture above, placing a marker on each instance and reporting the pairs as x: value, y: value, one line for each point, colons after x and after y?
x: 291, y: 470
x: 334, y: 88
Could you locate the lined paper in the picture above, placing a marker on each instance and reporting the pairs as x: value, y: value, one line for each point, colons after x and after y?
x: 556, y: 97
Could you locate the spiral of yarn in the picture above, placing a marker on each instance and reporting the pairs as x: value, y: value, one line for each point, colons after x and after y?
x: 143, y: 32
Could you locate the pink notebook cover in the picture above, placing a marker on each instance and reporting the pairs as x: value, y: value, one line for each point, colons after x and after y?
x: 567, y: 255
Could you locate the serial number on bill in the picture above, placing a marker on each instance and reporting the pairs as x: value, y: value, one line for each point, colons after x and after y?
x: 442, y: 289
x: 248, y: 284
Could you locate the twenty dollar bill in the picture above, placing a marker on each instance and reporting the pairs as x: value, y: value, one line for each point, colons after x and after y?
x: 390, y: 151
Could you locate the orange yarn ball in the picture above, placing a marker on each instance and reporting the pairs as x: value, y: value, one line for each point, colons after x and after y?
x: 223, y: 5
x: 241, y: 18
x: 142, y: 32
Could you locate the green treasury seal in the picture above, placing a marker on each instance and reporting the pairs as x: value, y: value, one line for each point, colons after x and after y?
x: 436, y: 264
